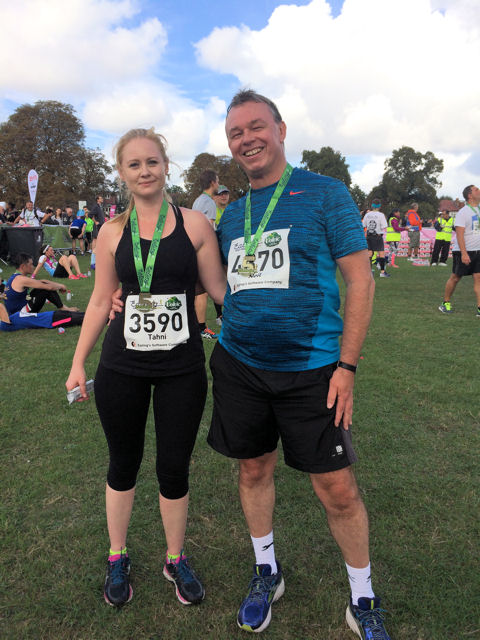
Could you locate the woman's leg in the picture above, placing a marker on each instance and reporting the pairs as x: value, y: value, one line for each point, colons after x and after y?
x: 73, y: 262
x: 122, y: 403
x: 65, y: 262
x: 178, y: 403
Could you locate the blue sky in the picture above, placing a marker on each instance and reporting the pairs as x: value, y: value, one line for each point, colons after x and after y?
x: 363, y: 76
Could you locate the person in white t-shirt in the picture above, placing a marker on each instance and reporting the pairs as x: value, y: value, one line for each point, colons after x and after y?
x: 30, y: 216
x: 375, y: 225
x: 466, y: 249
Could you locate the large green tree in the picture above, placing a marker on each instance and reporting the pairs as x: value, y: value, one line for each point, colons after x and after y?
x: 228, y: 172
x: 359, y: 196
x: 410, y: 176
x: 328, y: 163
x: 49, y: 138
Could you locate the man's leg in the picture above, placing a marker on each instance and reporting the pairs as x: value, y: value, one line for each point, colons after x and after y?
x: 435, y: 252
x: 257, y: 495
x: 476, y: 288
x: 348, y: 522
x: 346, y: 513
x: 450, y: 287
x: 444, y: 251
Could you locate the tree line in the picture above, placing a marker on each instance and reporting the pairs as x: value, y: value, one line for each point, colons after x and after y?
x: 50, y: 138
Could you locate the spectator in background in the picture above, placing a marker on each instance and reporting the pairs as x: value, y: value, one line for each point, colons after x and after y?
x: 45, y: 320
x: 443, y: 237
x: 375, y: 224
x: 206, y: 204
x: 11, y: 213
x: 20, y: 297
x: 414, y: 226
x: 61, y: 268
x: 58, y: 216
x: 47, y: 218
x: 98, y: 216
x: 221, y: 200
x: 3, y: 218
x: 29, y: 216
x: 467, y: 262
x: 67, y: 216
x: 76, y: 231
x: 89, y: 224
x: 394, y: 231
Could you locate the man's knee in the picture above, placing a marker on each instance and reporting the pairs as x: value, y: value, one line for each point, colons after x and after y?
x: 256, y: 471
x: 338, y: 490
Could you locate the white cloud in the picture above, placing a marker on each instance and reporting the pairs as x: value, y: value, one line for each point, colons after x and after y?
x: 370, y: 174
x: 380, y: 75
x: 73, y: 48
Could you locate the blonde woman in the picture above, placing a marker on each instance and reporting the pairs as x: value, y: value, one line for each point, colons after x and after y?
x: 158, y: 252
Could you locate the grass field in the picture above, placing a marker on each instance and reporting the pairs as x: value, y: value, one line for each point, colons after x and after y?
x: 416, y: 431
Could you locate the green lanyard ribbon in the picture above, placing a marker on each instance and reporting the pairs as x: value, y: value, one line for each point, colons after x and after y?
x: 251, y: 244
x: 145, y: 275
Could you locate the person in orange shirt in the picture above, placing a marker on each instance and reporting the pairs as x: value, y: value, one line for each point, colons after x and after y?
x: 414, y: 226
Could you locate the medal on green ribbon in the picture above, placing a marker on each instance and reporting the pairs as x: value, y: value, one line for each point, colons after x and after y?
x: 249, y: 267
x: 145, y: 275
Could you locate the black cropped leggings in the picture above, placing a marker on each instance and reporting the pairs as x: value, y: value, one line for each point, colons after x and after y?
x: 123, y: 402
x: 38, y: 297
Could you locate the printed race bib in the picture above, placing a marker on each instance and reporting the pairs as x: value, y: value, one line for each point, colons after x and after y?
x: 155, y: 322
x: 271, y: 268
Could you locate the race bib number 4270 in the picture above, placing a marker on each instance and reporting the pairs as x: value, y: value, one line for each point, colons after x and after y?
x: 155, y: 322
x: 271, y: 267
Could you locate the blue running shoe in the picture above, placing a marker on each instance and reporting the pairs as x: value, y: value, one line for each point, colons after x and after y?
x: 366, y: 619
x: 264, y: 589
x: 118, y: 590
x: 188, y: 588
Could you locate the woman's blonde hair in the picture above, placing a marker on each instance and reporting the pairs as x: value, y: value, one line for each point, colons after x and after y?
x: 161, y: 143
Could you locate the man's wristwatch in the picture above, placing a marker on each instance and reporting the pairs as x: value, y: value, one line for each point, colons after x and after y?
x: 348, y: 367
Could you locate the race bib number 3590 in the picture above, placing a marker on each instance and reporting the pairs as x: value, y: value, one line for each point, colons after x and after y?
x: 155, y: 322
x: 271, y: 266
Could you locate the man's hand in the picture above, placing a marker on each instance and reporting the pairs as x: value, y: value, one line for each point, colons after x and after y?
x: 117, y: 304
x: 341, y: 391
x: 62, y: 288
x: 465, y: 257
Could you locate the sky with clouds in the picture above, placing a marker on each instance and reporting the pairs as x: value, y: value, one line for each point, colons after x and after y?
x: 362, y: 76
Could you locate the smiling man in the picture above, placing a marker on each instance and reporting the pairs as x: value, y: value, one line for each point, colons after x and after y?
x: 278, y: 369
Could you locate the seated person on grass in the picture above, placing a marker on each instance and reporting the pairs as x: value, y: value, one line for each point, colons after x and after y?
x: 19, y: 296
x: 45, y: 320
x: 61, y: 268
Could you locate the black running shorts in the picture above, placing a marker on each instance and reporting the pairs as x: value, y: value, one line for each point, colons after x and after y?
x: 60, y: 272
x: 460, y: 269
x: 253, y: 408
x: 375, y: 242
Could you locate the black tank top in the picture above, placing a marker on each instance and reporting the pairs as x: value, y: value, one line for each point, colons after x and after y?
x: 175, y: 271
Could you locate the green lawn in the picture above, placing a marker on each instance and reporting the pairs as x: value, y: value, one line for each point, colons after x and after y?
x: 416, y: 431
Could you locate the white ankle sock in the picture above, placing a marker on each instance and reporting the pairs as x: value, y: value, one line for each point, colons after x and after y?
x: 265, y: 551
x: 360, y: 583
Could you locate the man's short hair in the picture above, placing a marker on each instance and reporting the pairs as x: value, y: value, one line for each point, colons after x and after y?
x: 248, y: 95
x: 207, y: 177
x: 22, y: 258
x: 467, y: 191
x: 414, y: 205
x: 98, y: 198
